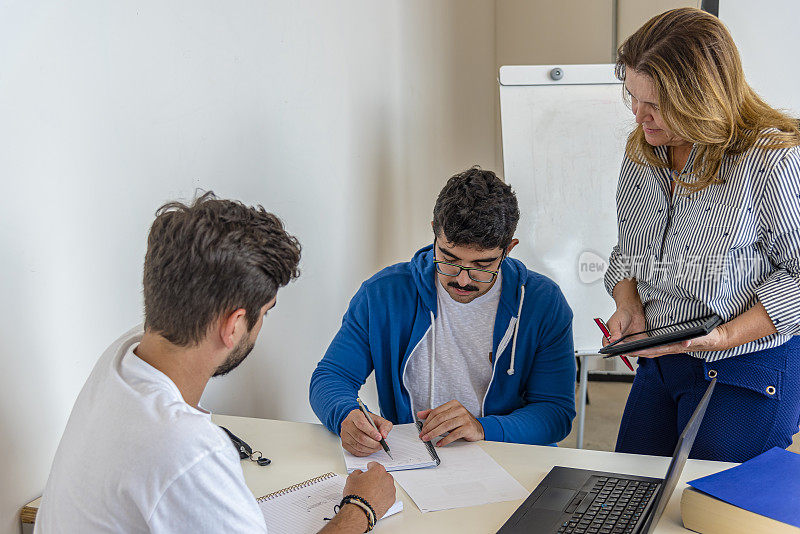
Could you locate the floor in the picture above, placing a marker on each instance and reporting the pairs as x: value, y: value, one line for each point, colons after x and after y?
x: 603, y: 415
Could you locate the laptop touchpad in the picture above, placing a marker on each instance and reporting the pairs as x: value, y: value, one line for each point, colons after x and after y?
x: 555, y: 498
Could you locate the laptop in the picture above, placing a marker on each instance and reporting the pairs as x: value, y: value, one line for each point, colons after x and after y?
x: 579, y: 501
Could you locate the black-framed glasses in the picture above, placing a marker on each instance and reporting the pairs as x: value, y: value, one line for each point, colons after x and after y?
x: 476, y: 274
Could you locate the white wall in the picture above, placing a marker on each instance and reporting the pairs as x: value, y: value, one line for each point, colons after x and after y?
x: 544, y: 32
x: 345, y: 118
x: 632, y: 14
x: 768, y: 38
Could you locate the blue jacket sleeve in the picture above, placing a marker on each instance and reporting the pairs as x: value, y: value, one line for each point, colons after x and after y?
x: 547, y: 415
x: 344, y: 368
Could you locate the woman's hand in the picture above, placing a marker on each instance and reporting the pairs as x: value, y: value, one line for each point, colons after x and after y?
x: 714, y: 340
x: 753, y: 324
x: 625, y: 321
x: 629, y: 320
x: 629, y: 317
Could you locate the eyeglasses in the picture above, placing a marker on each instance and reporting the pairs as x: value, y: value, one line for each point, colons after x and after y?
x: 476, y: 274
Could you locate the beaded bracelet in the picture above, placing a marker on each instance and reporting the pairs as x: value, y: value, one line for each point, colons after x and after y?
x: 364, y: 505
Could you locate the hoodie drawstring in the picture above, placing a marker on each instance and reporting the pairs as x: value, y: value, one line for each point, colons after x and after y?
x: 433, y: 356
x: 516, y: 331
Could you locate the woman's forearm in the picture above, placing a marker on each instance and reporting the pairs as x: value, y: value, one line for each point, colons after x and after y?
x: 626, y: 295
x: 749, y: 326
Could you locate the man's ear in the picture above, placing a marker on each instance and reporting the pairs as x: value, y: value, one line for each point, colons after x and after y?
x: 229, y: 327
x: 514, y: 243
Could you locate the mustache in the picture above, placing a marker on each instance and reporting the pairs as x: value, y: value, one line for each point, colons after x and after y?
x: 462, y: 288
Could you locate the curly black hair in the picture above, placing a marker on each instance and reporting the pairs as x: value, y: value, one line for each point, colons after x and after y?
x: 476, y: 209
x: 212, y: 258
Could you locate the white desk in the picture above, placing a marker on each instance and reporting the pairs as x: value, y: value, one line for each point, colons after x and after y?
x: 300, y: 451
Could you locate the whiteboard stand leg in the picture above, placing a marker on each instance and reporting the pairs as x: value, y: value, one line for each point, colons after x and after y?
x: 582, y: 383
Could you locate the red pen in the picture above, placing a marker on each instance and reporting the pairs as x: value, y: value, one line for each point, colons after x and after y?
x: 603, y: 328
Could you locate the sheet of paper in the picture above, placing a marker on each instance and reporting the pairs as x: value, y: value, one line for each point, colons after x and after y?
x: 303, y: 510
x: 467, y: 476
x: 408, y: 450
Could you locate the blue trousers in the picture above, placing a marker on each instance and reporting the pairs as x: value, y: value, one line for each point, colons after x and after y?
x: 755, y: 405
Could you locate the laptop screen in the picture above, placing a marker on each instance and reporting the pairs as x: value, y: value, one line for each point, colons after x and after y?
x: 682, y: 449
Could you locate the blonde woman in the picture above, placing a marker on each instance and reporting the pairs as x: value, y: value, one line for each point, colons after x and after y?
x: 708, y: 210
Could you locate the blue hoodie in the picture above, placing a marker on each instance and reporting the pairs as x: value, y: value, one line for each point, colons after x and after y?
x: 531, y: 396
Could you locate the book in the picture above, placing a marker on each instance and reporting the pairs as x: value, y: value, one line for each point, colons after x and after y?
x: 768, y: 486
x: 708, y: 515
x: 28, y: 512
x: 408, y: 450
x: 302, y: 508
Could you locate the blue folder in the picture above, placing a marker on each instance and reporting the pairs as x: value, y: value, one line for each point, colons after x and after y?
x: 768, y: 485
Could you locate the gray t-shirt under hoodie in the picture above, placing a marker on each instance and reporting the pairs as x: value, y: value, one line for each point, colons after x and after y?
x: 461, y: 353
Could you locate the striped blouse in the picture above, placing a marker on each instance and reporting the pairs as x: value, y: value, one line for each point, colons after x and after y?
x: 719, y: 250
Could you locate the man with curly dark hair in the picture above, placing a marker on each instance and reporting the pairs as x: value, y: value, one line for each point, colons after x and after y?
x: 139, y: 453
x: 462, y: 336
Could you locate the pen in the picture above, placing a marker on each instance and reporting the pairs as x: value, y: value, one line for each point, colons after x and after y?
x: 603, y: 328
x: 369, y: 418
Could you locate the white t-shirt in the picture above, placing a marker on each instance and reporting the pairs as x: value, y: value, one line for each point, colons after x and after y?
x: 462, y: 370
x: 135, y: 457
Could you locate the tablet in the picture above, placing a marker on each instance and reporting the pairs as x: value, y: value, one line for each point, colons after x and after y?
x: 682, y: 332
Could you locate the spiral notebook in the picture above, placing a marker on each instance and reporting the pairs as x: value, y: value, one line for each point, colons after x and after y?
x: 408, y: 450
x: 302, y: 508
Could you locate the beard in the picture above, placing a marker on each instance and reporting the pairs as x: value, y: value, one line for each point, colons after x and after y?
x: 237, y: 356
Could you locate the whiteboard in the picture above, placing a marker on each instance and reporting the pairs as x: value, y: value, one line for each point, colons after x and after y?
x: 563, y: 144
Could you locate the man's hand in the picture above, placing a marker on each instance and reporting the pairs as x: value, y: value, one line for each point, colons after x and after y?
x: 358, y: 436
x: 450, y: 417
x: 374, y: 485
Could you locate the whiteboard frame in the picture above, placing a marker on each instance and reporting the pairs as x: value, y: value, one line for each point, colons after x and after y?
x: 585, y: 74
x: 599, y: 74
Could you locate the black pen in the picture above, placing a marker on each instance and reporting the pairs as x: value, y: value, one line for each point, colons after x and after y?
x: 369, y: 418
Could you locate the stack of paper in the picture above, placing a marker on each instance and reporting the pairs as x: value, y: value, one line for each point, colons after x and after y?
x: 467, y: 476
x: 408, y: 450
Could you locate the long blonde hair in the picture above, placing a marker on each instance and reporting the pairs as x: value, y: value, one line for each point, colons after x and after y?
x: 702, y: 93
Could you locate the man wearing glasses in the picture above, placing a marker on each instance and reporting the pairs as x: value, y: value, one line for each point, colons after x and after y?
x: 462, y: 336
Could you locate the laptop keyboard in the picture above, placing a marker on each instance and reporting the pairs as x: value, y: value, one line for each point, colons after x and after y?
x: 617, y: 507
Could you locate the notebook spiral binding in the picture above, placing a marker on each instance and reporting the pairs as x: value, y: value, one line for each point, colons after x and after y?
x: 301, y: 485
